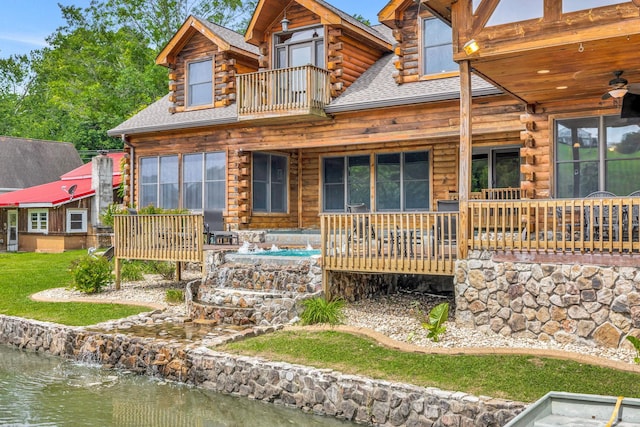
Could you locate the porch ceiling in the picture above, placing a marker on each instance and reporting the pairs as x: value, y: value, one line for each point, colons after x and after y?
x: 585, y: 73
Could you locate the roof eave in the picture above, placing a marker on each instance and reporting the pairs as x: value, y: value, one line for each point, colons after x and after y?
x: 168, y: 127
x: 418, y: 99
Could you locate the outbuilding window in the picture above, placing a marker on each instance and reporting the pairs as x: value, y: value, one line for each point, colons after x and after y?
x: 38, y: 220
x: 76, y: 221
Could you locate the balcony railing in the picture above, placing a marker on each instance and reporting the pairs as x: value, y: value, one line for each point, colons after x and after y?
x: 594, y: 225
x: 411, y: 243
x: 297, y: 90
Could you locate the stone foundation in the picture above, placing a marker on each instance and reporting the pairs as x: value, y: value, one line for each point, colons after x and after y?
x: 581, y: 304
x: 321, y: 391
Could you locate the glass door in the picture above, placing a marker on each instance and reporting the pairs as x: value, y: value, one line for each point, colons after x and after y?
x: 12, y: 231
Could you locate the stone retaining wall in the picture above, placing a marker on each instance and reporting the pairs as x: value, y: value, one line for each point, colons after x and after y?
x: 582, y: 304
x: 320, y: 391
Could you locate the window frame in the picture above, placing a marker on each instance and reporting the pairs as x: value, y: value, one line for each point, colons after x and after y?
x: 204, y: 181
x: 313, y: 41
x: 346, y: 189
x: 40, y: 228
x: 188, y: 86
x: 269, y: 184
x: 83, y: 220
x: 158, y: 200
x: 423, y: 52
x: 402, y: 180
x: 602, y: 161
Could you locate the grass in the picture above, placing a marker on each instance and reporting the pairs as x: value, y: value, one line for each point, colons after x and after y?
x: 521, y: 378
x: 24, y: 274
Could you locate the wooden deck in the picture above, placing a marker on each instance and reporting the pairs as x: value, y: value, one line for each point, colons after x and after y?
x: 176, y: 238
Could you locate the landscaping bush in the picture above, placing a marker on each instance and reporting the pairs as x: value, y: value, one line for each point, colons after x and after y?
x: 319, y: 310
x: 165, y: 269
x: 106, y: 217
x: 90, y: 274
x: 132, y: 271
x: 174, y: 296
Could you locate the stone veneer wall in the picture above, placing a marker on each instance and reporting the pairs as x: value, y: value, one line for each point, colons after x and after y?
x: 320, y: 391
x: 582, y: 304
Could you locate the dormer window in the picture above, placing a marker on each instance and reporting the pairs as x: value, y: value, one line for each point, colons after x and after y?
x: 294, y: 49
x: 200, y: 83
x: 437, y: 50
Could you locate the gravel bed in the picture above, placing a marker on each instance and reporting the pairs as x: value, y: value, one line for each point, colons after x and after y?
x: 399, y: 317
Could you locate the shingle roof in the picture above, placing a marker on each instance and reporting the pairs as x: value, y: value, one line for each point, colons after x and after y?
x: 233, y: 38
x: 157, y: 117
x: 353, y: 21
x: 376, y: 88
x: 28, y: 162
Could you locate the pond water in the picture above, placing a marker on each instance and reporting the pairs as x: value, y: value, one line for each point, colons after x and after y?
x: 40, y: 390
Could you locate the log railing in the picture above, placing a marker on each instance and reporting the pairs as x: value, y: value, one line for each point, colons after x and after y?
x: 608, y: 225
x: 177, y: 238
x: 411, y: 243
x: 282, y: 91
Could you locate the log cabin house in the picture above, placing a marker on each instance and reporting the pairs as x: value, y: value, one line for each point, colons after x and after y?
x: 456, y: 138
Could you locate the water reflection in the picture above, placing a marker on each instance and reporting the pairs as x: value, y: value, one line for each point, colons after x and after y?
x: 38, y: 390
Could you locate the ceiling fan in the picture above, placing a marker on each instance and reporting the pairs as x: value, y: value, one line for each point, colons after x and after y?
x: 620, y: 87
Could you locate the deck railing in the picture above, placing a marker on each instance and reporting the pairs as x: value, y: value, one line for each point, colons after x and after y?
x: 282, y: 91
x: 604, y: 225
x: 411, y: 243
x: 177, y: 238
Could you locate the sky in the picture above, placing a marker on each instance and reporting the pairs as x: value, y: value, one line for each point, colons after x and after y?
x: 25, y: 24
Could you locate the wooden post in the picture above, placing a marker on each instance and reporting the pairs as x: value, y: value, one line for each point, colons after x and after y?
x: 118, y: 275
x: 464, y: 180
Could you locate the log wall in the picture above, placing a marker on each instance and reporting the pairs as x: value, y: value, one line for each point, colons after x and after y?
x: 432, y: 127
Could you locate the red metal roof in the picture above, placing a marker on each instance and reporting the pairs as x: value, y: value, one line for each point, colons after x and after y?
x: 56, y: 193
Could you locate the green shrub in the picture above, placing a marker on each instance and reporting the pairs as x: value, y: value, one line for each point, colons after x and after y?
x: 167, y: 270
x: 106, y: 217
x: 636, y: 344
x: 319, y: 310
x: 132, y: 271
x: 174, y: 296
x: 435, y: 321
x: 90, y: 274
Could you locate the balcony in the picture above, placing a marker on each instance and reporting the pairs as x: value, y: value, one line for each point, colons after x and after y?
x: 298, y: 91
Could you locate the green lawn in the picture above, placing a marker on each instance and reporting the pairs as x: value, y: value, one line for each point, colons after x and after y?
x: 521, y: 378
x: 23, y: 274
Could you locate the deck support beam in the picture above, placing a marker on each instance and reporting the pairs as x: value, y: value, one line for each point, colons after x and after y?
x: 464, y: 180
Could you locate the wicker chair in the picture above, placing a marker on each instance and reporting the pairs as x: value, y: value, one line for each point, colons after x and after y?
x: 601, y: 221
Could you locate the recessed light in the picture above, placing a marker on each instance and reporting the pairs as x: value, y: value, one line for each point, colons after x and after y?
x: 543, y: 71
x: 562, y: 87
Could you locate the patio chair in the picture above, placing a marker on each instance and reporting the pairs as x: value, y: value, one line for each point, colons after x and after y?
x: 214, y: 230
x: 635, y: 216
x: 442, y: 229
x: 360, y: 230
x: 601, y: 221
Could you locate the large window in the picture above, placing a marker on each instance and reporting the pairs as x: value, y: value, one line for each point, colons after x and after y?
x: 159, y: 182
x: 204, y: 181
x: 596, y: 154
x: 437, y: 51
x: 38, y: 220
x: 76, y: 220
x: 495, y: 168
x: 299, y: 48
x: 575, y: 5
x: 402, y: 181
x: 346, y: 181
x: 269, y: 183
x: 200, y: 83
x: 508, y: 11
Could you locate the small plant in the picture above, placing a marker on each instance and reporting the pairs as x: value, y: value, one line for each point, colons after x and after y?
x: 167, y: 270
x: 636, y: 344
x: 132, y: 271
x: 435, y: 321
x: 319, y: 310
x: 90, y: 274
x: 106, y: 217
x: 174, y: 296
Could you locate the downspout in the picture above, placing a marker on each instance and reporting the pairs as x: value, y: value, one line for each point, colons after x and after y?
x: 132, y: 152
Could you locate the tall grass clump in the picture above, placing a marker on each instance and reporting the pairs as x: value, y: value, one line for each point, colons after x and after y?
x: 319, y: 310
